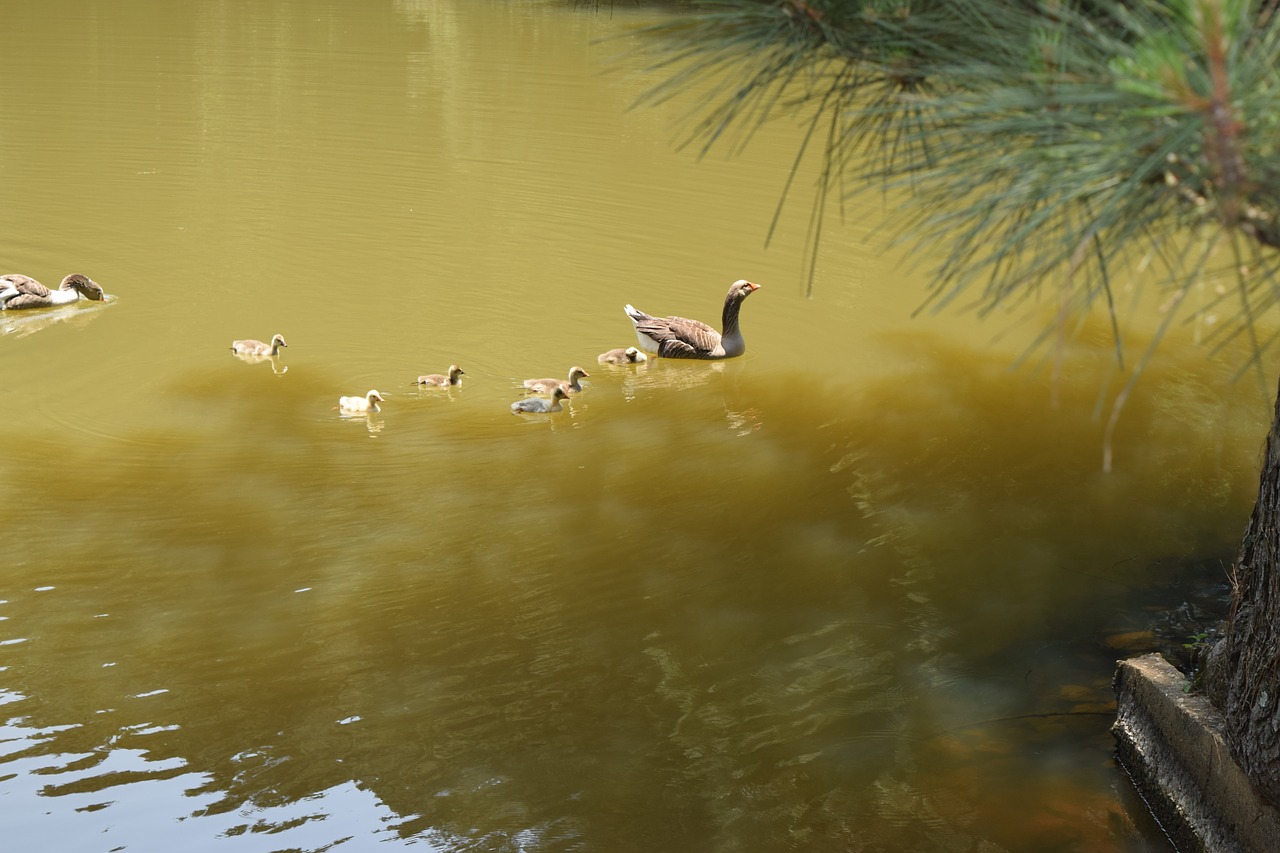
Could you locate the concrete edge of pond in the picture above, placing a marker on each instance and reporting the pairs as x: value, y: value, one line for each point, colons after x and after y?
x: 1171, y: 744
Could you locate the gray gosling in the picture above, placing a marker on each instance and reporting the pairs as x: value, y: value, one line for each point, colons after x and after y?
x: 537, y: 405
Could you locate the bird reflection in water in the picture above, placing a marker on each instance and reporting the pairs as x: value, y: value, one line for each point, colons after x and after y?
x: 669, y: 375
x: 744, y: 422
x: 23, y: 323
x: 276, y: 367
x: 372, y: 420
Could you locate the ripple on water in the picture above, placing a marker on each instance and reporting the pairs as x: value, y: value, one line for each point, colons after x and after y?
x: 121, y: 790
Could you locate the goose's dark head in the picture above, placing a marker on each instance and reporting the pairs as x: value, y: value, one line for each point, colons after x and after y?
x: 87, y: 287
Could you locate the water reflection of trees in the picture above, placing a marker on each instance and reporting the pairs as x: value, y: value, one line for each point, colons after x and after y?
x: 760, y: 658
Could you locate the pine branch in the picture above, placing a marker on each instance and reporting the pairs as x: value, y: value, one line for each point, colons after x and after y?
x: 1040, y: 143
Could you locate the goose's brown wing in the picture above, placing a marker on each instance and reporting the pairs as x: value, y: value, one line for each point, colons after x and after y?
x: 24, y: 284
x: 30, y: 291
x: 680, y: 337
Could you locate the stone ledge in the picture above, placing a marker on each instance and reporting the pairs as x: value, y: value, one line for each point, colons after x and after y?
x: 1171, y: 745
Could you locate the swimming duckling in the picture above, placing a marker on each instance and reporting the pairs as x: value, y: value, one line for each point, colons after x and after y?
x: 440, y: 380
x: 630, y: 355
x: 537, y: 405
x: 252, y: 347
x: 570, y: 386
x: 360, y: 405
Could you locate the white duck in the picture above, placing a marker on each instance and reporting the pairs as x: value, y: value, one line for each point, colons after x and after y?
x: 572, y: 385
x: 678, y: 337
x: 360, y: 405
x: 252, y: 347
x: 630, y: 355
x: 21, y: 291
x: 541, y: 404
x: 440, y: 380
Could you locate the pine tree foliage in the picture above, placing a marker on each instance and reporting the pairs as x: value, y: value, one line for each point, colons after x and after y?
x: 1044, y: 146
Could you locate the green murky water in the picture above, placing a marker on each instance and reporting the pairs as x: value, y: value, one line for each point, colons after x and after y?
x: 853, y: 591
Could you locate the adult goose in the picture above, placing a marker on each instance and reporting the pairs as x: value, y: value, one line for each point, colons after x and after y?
x: 572, y: 385
x: 21, y: 291
x: 537, y: 405
x: 630, y: 355
x: 252, y: 347
x: 360, y: 405
x: 678, y: 337
x: 441, y: 380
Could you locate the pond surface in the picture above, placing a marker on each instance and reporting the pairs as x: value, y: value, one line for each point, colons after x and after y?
x: 860, y: 589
